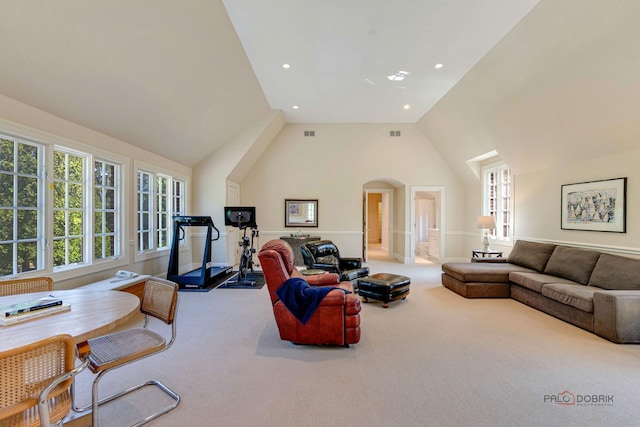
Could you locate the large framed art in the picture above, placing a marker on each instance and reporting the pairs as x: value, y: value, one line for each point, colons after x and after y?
x: 595, y: 206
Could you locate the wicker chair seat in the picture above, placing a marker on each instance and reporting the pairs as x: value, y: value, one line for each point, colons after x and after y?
x: 122, y: 347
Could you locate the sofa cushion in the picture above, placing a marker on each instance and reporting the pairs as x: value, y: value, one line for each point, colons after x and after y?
x: 578, y: 296
x: 534, y: 281
x: 479, y: 272
x: 572, y: 263
x: 532, y: 255
x: 616, y: 272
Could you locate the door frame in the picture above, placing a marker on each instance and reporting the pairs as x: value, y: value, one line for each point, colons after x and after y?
x: 387, y: 207
x: 412, y: 221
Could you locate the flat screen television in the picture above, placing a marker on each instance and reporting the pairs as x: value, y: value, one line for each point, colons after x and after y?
x: 240, y: 216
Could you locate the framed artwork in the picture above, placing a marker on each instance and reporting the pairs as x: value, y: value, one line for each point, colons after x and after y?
x: 301, y: 212
x: 595, y: 206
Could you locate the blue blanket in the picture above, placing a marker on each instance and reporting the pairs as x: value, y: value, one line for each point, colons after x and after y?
x: 301, y: 298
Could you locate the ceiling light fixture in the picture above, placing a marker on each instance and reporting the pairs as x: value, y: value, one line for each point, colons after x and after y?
x: 438, y: 65
x: 295, y: 107
x: 406, y: 106
x: 286, y: 66
x: 399, y: 76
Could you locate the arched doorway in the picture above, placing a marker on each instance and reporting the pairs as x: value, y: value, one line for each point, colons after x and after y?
x: 378, y: 219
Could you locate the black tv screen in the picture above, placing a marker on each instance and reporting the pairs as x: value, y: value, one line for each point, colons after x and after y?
x: 246, y: 215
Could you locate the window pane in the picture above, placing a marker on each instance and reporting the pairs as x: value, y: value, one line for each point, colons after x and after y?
x: 27, y: 224
x: 97, y: 172
x: 59, y: 255
x: 110, y: 222
x: 59, y: 194
x: 110, y: 178
x: 59, y: 166
x: 6, y: 155
x: 109, y: 247
x: 109, y: 199
x: 6, y: 224
x: 59, y: 222
x: 75, y: 196
x: 97, y: 247
x: 6, y: 187
x: 145, y: 202
x: 27, y: 256
x: 27, y: 159
x: 97, y: 222
x: 97, y: 198
x: 75, y: 223
x: 27, y: 192
x: 75, y: 168
x: 75, y: 250
x: 6, y: 259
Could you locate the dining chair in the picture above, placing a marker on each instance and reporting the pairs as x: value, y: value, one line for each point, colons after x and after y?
x: 35, y: 382
x: 25, y: 286
x: 109, y: 352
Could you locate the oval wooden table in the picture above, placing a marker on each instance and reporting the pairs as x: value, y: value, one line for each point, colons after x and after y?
x: 93, y: 313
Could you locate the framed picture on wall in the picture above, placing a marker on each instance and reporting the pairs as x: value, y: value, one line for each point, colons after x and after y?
x: 595, y: 206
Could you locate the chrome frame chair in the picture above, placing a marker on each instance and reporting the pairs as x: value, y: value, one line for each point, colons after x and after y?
x: 108, y: 352
x: 36, y: 382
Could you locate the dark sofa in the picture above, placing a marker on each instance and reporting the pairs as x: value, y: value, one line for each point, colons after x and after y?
x: 595, y: 291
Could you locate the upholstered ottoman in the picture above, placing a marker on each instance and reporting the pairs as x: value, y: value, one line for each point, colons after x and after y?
x: 384, y: 287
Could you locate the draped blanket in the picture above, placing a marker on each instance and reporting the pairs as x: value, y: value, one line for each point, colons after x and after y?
x: 301, y: 298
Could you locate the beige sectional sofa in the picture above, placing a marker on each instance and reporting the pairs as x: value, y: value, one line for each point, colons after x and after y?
x: 596, y: 291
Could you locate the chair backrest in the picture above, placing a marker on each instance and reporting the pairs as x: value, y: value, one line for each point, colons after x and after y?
x: 159, y: 299
x: 277, y: 262
x: 27, y: 370
x: 26, y: 286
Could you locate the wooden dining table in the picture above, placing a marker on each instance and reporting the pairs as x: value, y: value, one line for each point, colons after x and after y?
x: 92, y: 313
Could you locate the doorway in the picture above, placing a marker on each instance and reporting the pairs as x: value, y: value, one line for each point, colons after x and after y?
x: 377, y: 220
x: 427, y: 219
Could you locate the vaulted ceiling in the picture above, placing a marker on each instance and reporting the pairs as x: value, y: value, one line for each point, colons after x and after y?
x: 181, y: 78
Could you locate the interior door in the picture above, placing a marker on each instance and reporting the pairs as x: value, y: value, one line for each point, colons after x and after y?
x: 365, y: 227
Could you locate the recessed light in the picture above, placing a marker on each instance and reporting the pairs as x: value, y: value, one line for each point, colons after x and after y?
x: 286, y: 66
x: 399, y: 76
x: 438, y: 65
x: 295, y: 107
x: 406, y: 106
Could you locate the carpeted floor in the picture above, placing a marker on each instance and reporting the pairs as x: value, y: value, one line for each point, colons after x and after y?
x: 435, y: 359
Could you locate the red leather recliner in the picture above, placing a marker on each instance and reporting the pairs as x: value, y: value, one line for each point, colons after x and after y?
x: 336, y: 321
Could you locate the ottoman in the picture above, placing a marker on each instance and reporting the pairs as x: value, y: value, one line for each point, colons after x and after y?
x: 384, y: 287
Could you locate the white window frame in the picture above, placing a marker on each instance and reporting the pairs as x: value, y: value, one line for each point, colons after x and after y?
x: 172, y: 177
x: 48, y: 143
x: 502, y: 209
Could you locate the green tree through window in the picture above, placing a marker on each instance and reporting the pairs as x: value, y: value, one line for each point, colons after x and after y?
x: 20, y: 207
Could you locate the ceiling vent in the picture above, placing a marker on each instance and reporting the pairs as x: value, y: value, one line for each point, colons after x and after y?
x: 394, y: 133
x: 309, y: 133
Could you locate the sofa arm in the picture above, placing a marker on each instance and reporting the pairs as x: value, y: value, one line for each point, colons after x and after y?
x: 617, y: 315
x: 323, y: 279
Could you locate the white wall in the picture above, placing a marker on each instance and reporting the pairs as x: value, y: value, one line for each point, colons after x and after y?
x: 333, y: 166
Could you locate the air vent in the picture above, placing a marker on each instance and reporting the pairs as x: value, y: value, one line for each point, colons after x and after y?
x: 394, y: 133
x: 309, y: 133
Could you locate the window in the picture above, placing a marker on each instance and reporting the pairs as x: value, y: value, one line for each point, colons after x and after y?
x: 498, y: 199
x: 145, y: 236
x: 160, y: 197
x: 68, y: 209
x: 21, y: 206
x: 77, y: 224
x: 106, y: 221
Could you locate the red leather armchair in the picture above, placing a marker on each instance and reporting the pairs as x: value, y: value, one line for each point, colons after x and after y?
x: 336, y: 321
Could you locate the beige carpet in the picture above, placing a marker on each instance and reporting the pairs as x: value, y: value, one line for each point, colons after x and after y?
x: 436, y: 359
